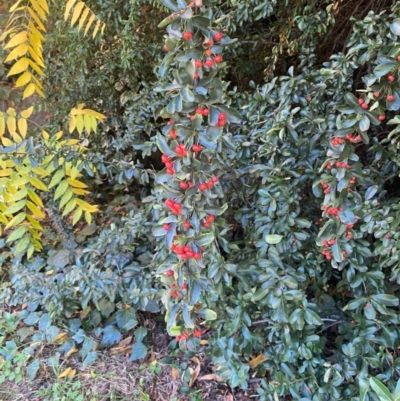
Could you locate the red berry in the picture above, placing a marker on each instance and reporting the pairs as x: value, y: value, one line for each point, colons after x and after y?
x: 398, y: 58
x: 192, y: 118
x: 207, y: 224
x: 184, y: 185
x: 166, y: 227
x: 199, y: 111
x: 361, y: 101
x: 215, y: 179
x: 203, y: 187
x: 209, y: 63
x: 206, y: 112
x: 390, y: 98
x: 196, y: 75
x: 210, y: 218
x: 364, y: 106
x: 197, y: 333
x: 197, y: 148
x: 165, y: 158
x: 188, y: 35
x: 218, y: 36
x: 218, y: 59
x: 382, y: 117
x: 198, y: 64
x: 186, y: 224
x: 210, y: 184
x: 172, y: 134
x: 197, y: 255
x: 169, y: 165
x: 169, y: 273
x: 390, y: 78
x: 208, y: 52
x: 165, y: 48
x: 175, y: 294
x: 184, y: 286
x: 170, y: 122
x: 208, y: 43
x: 222, y: 116
x: 221, y: 123
x: 376, y: 94
x: 170, y: 171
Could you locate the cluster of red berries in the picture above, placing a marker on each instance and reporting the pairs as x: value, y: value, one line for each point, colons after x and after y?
x: 203, y: 112
x: 221, y: 120
x: 175, y: 207
x: 183, y: 336
x: 337, y: 141
x: 352, y: 180
x: 168, y: 164
x: 209, y: 220
x: 334, y: 211
x: 185, y: 252
x: 327, y: 254
x: 172, y: 134
x: 186, y: 185
x: 328, y: 243
x: 390, y: 98
x: 180, y: 150
x: 353, y: 139
x: 209, y: 184
x: 326, y: 188
x: 362, y: 103
x: 340, y: 164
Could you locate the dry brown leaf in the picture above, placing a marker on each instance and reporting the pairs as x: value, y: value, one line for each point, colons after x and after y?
x: 211, y: 376
x: 194, y: 374
x: 71, y: 374
x: 203, y: 342
x: 257, y: 361
x: 195, y: 360
x: 126, y: 341
x: 71, y: 351
x: 65, y: 373
x: 175, y: 374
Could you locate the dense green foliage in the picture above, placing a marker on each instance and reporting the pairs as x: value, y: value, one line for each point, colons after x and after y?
x: 300, y: 259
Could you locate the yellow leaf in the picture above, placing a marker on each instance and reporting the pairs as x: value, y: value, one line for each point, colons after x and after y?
x: 38, y: 9
x: 87, y: 207
x: 103, y: 28
x: 71, y: 351
x: 22, y: 127
x: 72, y: 142
x: 19, y: 195
x: 72, y: 124
x: 11, y: 125
x: 34, y: 209
x: 17, y: 40
x: 40, y: 171
x: 89, y: 23
x: 37, y: 19
x: 46, y: 136
x: 61, y: 337
x: 65, y: 373
x: 20, y: 181
x: 2, y: 125
x: 72, y: 374
x: 27, y: 113
x: 83, y: 18
x: 59, y: 134
x: 30, y: 251
x: 6, y: 142
x: 94, y: 113
x: 257, y: 361
x: 77, y: 216
x: 34, y: 222
x: 96, y: 28
x: 77, y: 12
x: 35, y: 198
x: 76, y: 183
x: 43, y: 4
x: 79, y: 191
x: 14, y: 6
x: 16, y: 138
x: 21, y: 65
x: 88, y: 218
x: 19, y: 51
x: 23, y: 79
x: 29, y: 90
x: 79, y: 124
x: 87, y: 122
x: 36, y: 68
x: 80, y: 106
x: 68, y: 7
x: 38, y: 184
x: 11, y: 112
x: 6, y: 172
x: 49, y: 272
x: 36, y: 56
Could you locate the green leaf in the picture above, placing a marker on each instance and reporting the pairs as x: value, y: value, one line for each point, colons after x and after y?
x: 126, y: 319
x: 386, y: 299
x: 57, y: 177
x: 22, y: 245
x: 163, y: 146
x: 380, y: 389
x: 201, y: 22
x: 32, y: 369
x: 273, y: 239
x: 187, y: 95
x: 17, y: 234
x: 337, y: 252
x: 351, y: 100
x: 395, y: 26
x: 139, y: 351
x: 382, y: 69
x: 364, y: 123
x: 170, y: 4
x: 364, y: 387
x: 232, y: 115
x: 216, y: 211
x: 90, y: 358
x: 15, y: 207
x: 111, y: 335
x: 207, y: 314
x: 61, y: 189
x: 204, y: 239
x: 371, y: 191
